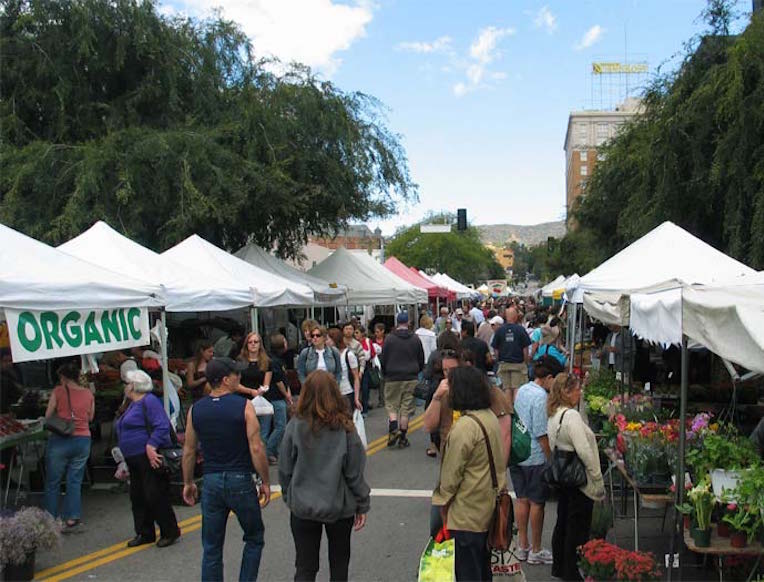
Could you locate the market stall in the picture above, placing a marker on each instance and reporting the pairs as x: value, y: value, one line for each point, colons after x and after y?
x: 368, y: 282
x: 57, y: 305
x: 436, y: 293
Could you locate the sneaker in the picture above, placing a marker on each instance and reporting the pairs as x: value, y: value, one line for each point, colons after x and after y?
x: 392, y: 438
x: 541, y: 557
x: 522, y: 553
x: 403, y: 442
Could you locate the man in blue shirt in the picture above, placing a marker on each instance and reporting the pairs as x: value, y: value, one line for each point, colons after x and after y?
x: 531, y: 492
x: 510, y: 342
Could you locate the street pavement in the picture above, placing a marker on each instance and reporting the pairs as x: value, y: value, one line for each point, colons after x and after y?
x: 388, y: 548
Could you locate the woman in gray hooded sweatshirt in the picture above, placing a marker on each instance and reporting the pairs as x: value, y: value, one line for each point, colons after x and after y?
x: 321, y: 467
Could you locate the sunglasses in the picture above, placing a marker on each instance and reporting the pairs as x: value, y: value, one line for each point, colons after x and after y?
x: 316, y: 335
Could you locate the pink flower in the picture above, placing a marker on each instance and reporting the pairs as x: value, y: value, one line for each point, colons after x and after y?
x: 732, y: 506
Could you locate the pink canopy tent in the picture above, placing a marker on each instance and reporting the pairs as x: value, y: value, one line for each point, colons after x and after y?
x: 450, y: 295
x: 434, y: 291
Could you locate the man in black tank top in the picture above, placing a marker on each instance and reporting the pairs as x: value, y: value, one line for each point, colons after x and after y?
x: 225, y: 425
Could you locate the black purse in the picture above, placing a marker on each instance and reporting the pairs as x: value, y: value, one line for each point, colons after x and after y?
x: 172, y: 456
x: 566, y: 470
x: 63, y: 427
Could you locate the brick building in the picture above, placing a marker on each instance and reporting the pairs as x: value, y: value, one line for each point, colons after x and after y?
x: 587, y: 131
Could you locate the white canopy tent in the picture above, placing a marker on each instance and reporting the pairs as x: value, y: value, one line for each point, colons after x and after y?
x: 268, y: 290
x: 663, y: 258
x: 36, y: 276
x: 367, y: 281
x: 186, y: 288
x: 549, y: 289
x: 726, y: 318
x: 462, y: 291
x: 324, y: 293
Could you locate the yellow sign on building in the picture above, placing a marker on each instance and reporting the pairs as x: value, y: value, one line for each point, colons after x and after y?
x: 613, y: 68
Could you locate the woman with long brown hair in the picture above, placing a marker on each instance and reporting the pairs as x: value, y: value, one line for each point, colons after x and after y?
x: 256, y: 379
x: 196, y: 381
x: 568, y: 432
x: 321, y: 466
x: 350, y: 379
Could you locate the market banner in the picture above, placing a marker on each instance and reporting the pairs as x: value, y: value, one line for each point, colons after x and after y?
x: 38, y: 335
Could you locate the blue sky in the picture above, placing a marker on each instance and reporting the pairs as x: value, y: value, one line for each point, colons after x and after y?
x: 480, y: 91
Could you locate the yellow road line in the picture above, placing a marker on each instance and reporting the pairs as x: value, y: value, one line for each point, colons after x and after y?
x: 117, y: 551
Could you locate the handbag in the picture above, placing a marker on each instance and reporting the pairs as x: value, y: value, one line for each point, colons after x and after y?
x: 262, y: 405
x: 566, y: 470
x: 63, y: 427
x: 499, y: 530
x: 172, y: 456
x: 521, y: 441
x: 422, y: 389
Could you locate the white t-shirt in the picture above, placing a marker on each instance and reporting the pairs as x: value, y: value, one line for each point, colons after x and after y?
x: 345, y: 386
x: 611, y: 355
x: 321, y: 364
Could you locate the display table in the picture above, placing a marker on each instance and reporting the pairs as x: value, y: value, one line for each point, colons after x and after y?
x: 721, y: 547
x: 19, y: 442
x: 665, y: 499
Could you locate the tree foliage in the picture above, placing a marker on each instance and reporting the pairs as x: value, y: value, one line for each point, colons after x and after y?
x: 695, y: 156
x: 168, y: 126
x: 460, y: 254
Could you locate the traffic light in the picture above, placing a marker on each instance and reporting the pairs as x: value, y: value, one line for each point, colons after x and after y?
x: 461, y: 219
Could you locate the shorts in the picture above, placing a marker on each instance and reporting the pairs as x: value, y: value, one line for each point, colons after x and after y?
x: 528, y: 484
x: 513, y: 375
x: 399, y: 397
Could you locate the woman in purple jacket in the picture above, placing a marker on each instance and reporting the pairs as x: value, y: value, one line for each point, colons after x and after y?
x: 142, y: 429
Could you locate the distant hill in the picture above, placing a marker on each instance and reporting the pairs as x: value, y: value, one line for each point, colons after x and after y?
x: 529, y: 235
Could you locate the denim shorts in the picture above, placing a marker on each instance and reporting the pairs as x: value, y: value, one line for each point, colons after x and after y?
x: 528, y: 483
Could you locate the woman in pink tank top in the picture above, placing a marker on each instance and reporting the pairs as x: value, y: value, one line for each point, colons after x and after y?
x: 68, y: 456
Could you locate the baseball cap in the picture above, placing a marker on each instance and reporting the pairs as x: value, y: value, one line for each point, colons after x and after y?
x: 219, y: 368
x: 496, y: 320
x: 403, y: 317
x: 459, y: 311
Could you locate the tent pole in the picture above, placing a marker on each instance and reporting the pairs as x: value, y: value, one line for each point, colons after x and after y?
x: 583, y: 325
x: 313, y: 312
x: 682, y: 448
x: 572, y: 335
x: 165, y: 371
x: 254, y: 319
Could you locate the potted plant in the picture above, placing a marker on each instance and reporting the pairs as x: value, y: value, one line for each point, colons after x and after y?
x: 600, y: 561
x: 602, y: 520
x: 687, y: 510
x: 703, y: 501
x: 742, y: 524
x: 21, y: 535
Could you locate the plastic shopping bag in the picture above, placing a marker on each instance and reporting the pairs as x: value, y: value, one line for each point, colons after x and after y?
x: 262, y: 406
x: 505, y: 565
x: 360, y: 426
x: 437, y: 562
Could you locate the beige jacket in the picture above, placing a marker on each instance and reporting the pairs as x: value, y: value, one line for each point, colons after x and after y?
x: 465, y: 475
x: 576, y: 436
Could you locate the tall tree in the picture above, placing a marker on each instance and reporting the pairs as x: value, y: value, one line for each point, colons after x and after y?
x: 169, y: 126
x: 460, y: 254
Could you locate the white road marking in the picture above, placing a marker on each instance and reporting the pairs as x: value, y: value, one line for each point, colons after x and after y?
x: 415, y: 493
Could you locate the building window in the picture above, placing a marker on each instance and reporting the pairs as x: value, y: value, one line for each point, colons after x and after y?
x: 601, y: 157
x: 584, y: 170
x: 584, y: 156
x: 602, y: 133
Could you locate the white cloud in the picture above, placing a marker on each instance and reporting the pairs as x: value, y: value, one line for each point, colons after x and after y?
x: 591, y: 37
x: 545, y: 19
x: 484, y: 47
x: 460, y: 89
x: 311, y: 32
x: 483, y: 51
x: 439, y: 45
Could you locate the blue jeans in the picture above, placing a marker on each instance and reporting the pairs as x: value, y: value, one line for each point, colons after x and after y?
x: 65, y: 456
x: 221, y: 494
x: 278, y: 420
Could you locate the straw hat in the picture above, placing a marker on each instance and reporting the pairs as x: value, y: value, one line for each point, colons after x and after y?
x: 549, y: 334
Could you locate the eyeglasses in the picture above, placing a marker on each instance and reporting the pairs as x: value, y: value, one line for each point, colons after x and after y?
x: 316, y: 335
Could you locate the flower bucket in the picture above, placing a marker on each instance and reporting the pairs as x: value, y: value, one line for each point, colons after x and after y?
x: 702, y: 537
x: 738, y: 539
x: 722, y: 480
x: 19, y: 572
x: 723, y: 529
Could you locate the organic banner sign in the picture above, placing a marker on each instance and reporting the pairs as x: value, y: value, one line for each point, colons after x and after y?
x: 38, y: 335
